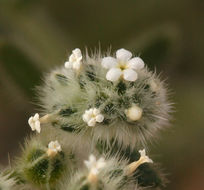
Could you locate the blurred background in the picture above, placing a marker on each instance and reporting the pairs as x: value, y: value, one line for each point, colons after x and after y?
x: 37, y: 35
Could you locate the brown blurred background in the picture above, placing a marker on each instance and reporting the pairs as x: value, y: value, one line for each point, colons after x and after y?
x: 36, y: 35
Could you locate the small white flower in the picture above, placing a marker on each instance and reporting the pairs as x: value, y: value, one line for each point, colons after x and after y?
x: 34, y: 123
x: 122, y: 66
x: 92, y: 116
x: 94, y: 165
x: 53, y: 148
x: 74, y: 60
x: 134, y: 113
x: 143, y: 159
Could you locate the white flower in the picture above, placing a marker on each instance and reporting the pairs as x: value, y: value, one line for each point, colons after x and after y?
x: 53, y: 148
x: 143, y: 159
x: 122, y: 66
x: 74, y: 60
x: 92, y: 116
x: 94, y: 165
x: 34, y: 123
x: 134, y: 113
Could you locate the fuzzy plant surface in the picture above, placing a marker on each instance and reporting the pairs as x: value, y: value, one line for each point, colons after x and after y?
x: 97, y: 114
x: 112, y: 97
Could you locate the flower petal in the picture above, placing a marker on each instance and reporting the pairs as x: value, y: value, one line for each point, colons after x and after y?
x: 30, y: 121
x: 58, y: 146
x: 142, y: 152
x: 92, y: 122
x: 136, y: 63
x: 72, y: 58
x: 96, y: 111
x: 99, y: 118
x: 123, y: 54
x: 86, y: 117
x: 32, y: 126
x: 92, y: 158
x: 68, y: 65
x: 148, y: 160
x: 108, y: 62
x: 113, y: 74
x: 51, y: 145
x: 77, y: 53
x: 77, y: 65
x: 90, y: 111
x: 87, y: 164
x: 129, y: 75
x: 94, y: 171
x: 37, y: 126
x: 36, y: 117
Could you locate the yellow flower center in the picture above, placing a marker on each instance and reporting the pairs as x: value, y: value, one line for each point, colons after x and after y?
x: 122, y: 65
x: 93, y: 115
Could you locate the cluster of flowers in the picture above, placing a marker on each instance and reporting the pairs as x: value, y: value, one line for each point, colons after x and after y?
x: 94, y: 166
x: 122, y: 67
